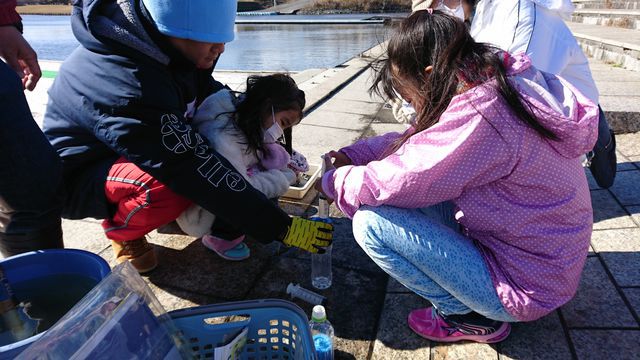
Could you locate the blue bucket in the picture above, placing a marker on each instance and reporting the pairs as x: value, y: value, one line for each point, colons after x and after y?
x: 41, y: 264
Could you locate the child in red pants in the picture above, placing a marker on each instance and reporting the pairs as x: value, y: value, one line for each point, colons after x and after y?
x: 143, y: 204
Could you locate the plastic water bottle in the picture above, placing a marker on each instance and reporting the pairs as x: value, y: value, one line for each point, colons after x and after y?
x: 321, y: 276
x: 322, y: 333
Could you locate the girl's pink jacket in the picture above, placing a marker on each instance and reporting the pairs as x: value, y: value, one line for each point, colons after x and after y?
x: 522, y: 198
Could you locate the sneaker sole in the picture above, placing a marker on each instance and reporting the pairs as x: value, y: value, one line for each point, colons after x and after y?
x: 222, y: 255
x: 233, y: 258
x: 498, y: 336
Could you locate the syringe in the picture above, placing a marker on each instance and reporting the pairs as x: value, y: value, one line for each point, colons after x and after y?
x: 296, y: 291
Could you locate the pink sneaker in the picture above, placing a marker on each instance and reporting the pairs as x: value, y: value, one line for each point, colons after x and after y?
x: 432, y: 325
x: 234, y: 250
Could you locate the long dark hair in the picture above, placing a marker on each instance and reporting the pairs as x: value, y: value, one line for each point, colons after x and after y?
x: 442, y: 41
x: 263, y: 92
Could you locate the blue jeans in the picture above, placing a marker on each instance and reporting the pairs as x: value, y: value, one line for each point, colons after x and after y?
x: 424, y: 250
x: 30, y: 175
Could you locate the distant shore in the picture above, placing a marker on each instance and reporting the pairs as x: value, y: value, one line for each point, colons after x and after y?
x: 44, y: 9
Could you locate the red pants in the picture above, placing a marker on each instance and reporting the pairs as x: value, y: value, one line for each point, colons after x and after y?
x: 143, y: 203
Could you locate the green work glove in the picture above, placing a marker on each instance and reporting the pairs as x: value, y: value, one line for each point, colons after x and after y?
x: 312, y: 236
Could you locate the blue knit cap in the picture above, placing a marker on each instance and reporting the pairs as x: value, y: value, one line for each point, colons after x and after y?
x: 210, y: 21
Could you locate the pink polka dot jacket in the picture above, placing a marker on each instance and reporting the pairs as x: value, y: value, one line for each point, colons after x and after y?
x: 523, y: 199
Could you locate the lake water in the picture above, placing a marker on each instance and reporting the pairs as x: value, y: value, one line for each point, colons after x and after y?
x: 268, y: 47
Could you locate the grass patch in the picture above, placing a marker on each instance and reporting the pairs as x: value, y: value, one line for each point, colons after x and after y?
x: 361, y: 5
x: 253, y: 5
x: 624, y: 22
x: 612, y: 63
x: 49, y: 74
x: 44, y: 9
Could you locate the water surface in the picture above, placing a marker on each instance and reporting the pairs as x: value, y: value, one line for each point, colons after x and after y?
x: 256, y: 47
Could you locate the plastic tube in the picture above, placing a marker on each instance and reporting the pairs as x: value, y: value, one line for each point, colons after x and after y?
x: 323, y: 204
x: 321, y: 275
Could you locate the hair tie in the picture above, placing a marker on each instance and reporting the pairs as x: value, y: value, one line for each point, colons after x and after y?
x: 505, y: 59
x: 430, y: 10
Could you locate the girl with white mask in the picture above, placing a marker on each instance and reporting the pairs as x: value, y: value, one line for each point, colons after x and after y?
x: 248, y: 130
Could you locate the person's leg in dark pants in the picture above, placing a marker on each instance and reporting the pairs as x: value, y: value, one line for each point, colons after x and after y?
x: 603, y: 164
x: 30, y: 176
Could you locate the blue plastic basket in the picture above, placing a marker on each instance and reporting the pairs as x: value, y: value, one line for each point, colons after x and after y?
x: 277, y: 329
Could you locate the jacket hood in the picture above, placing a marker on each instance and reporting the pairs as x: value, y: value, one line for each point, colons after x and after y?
x: 123, y: 23
x: 221, y: 102
x: 557, y: 105
x: 563, y: 7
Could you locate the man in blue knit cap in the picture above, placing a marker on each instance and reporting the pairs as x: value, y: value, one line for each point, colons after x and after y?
x: 118, y: 116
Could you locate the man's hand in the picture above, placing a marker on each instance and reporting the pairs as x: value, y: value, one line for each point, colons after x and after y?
x: 19, y: 55
x: 312, y: 236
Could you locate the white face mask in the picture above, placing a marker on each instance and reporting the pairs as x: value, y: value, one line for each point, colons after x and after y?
x: 274, y: 132
x: 457, y: 12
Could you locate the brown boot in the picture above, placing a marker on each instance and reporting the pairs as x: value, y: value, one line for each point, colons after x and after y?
x: 138, y: 252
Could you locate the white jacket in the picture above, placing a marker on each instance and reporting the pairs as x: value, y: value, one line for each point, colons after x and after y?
x: 214, y: 121
x: 536, y: 27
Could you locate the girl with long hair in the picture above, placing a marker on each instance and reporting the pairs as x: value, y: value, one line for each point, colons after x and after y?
x: 482, y: 206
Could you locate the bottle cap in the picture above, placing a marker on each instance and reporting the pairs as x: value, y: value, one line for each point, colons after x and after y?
x: 319, y: 314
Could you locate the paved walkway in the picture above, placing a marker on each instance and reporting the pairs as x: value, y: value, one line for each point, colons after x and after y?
x: 627, y: 38
x: 367, y: 308
x: 619, y: 95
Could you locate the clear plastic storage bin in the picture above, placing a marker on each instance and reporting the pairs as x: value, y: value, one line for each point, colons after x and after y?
x: 305, y: 182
